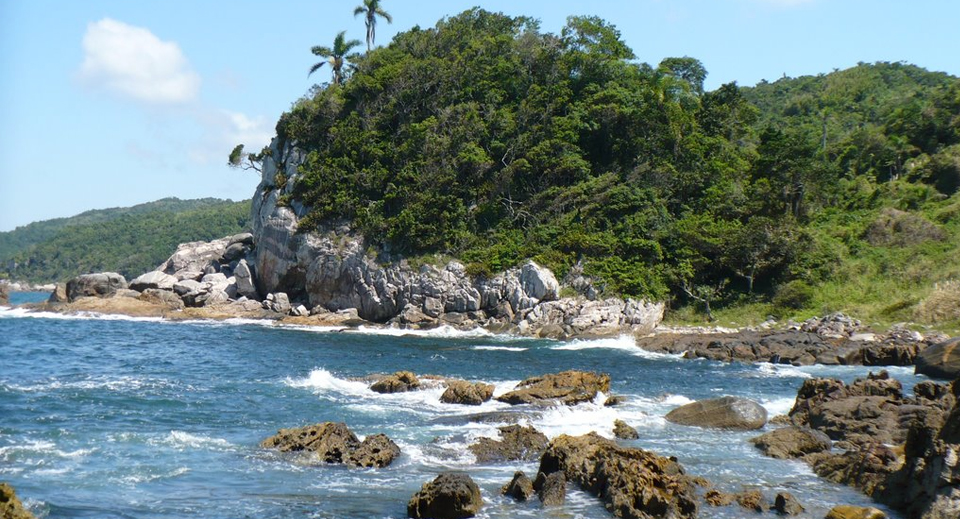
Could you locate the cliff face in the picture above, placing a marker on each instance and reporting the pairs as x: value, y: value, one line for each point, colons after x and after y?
x: 333, y: 269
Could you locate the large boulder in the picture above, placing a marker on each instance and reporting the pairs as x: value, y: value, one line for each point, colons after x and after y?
x: 153, y: 279
x: 624, y: 431
x: 940, y: 360
x: 103, y: 284
x: 539, y: 282
x: 246, y: 284
x: 463, y: 392
x: 10, y: 505
x: 567, y: 387
x: 551, y: 488
x: 334, y: 442
x: 194, y: 257
x: 452, y: 495
x: 633, y: 483
x: 723, y: 413
x: 519, y: 488
x: 792, y: 442
x: 515, y: 443
x: 399, y: 382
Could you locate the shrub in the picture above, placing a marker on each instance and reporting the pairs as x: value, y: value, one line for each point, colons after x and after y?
x: 942, y: 305
x: 794, y: 295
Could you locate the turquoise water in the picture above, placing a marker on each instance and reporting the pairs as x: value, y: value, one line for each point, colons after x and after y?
x: 123, y: 418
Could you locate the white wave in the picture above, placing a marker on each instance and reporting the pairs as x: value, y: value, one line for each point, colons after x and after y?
x: 25, y: 313
x: 675, y: 400
x: 625, y: 343
x: 323, y: 381
x: 42, y: 448
x: 182, y: 440
x: 778, y: 406
x: 593, y: 416
x: 125, y: 383
x: 146, y: 477
x: 444, y: 332
x: 766, y: 369
x: 500, y: 348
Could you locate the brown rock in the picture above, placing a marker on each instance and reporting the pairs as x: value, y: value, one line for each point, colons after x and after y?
x: 866, y: 467
x: 10, y: 505
x: 724, y: 413
x: 941, y: 360
x: 463, y: 392
x: 102, y: 284
x: 786, y: 504
x: 449, y: 496
x: 753, y: 500
x: 714, y: 497
x: 623, y: 431
x: 516, y: 443
x: 333, y: 442
x: 854, y: 512
x: 792, y: 442
x: 376, y: 450
x: 633, y: 483
x: 519, y: 488
x: 399, y: 382
x: 568, y: 387
x: 4, y: 294
x: 551, y: 489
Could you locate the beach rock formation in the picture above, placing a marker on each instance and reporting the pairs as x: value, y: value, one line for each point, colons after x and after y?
x: 10, y: 505
x: 633, y: 483
x: 103, y: 284
x: 786, y: 504
x: 941, y: 360
x: 519, y: 488
x: 551, y: 488
x: 567, y: 387
x: 452, y: 495
x: 722, y: 413
x: 792, y: 442
x: 516, y: 443
x: 399, y: 382
x: 623, y: 431
x: 334, y: 442
x: 466, y: 393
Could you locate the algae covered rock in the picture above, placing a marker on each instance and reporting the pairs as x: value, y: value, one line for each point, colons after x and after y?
x: 463, y: 392
x: 567, y: 387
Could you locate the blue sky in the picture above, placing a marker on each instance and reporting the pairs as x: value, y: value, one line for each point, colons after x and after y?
x: 109, y: 103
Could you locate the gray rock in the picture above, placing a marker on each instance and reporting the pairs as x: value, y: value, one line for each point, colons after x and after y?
x: 162, y: 297
x: 279, y: 302
x: 792, y: 442
x: 103, y: 284
x: 187, y: 286
x: 300, y: 311
x: 515, y: 443
x: 538, y: 282
x: 245, y: 280
x: 552, y: 488
x: 153, y: 279
x: 449, y: 496
x: 723, y: 413
x: 194, y: 257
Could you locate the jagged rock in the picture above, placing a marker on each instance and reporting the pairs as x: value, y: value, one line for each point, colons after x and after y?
x: 300, y: 311
x: 940, y: 360
x: 162, y: 297
x: 538, y: 282
x: 623, y: 431
x: 245, y: 280
x: 633, y: 483
x: 194, y: 257
x: 614, y: 400
x: 4, y: 294
x: 567, y: 387
x: 399, y: 382
x: 463, y: 392
x: 449, y: 496
x: 866, y: 467
x: 552, y: 488
x: 519, y: 488
x: 752, y: 500
x: 278, y: 302
x: 714, y: 497
x: 103, y: 284
x: 786, y: 504
x: 334, y: 442
x: 374, y: 451
x: 515, y: 443
x: 153, y: 279
x: 836, y: 325
x: 59, y: 294
x: 10, y: 505
x: 855, y: 512
x: 792, y: 442
x: 724, y: 413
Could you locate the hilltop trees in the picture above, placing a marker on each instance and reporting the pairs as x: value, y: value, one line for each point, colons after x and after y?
x: 371, y: 10
x: 336, y: 56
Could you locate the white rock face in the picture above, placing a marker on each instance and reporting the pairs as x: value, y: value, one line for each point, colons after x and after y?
x: 153, y: 279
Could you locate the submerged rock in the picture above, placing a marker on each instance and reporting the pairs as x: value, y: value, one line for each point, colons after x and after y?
x: 623, y: 431
x: 551, y: 489
x: 463, y: 392
x: 723, y: 413
x: 515, y: 443
x: 568, y: 387
x: 334, y: 442
x: 452, y: 495
x: 519, y: 488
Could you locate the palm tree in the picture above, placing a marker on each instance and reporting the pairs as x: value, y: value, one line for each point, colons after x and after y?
x: 372, y: 9
x: 336, y: 56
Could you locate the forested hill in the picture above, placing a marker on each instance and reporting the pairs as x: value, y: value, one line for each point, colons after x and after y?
x: 487, y: 139
x: 128, y: 240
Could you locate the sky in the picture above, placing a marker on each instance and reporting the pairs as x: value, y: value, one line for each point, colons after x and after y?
x: 112, y: 103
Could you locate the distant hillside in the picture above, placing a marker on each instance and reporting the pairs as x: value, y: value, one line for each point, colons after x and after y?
x: 128, y: 240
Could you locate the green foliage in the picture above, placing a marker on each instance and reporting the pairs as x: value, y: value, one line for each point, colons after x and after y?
x: 130, y: 241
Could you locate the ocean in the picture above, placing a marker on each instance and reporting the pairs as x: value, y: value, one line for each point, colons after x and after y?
x: 114, y: 417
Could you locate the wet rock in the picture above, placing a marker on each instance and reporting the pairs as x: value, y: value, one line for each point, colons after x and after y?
x: 516, y: 443
x: 941, y: 360
x: 866, y: 467
x: 519, y: 488
x: 633, y: 483
x: 753, y: 500
x: 103, y: 284
x: 854, y: 512
x: 449, y: 496
x: 614, y: 400
x: 399, y: 382
x: 10, y: 505
x: 552, y: 488
x: 714, y: 497
x: 623, y: 431
x: 376, y: 450
x: 792, y: 442
x: 463, y: 392
x: 568, y: 387
x: 786, y: 504
x: 723, y: 413
x: 334, y: 442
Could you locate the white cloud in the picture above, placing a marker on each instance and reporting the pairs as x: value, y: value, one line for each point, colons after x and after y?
x: 225, y: 129
x: 132, y: 61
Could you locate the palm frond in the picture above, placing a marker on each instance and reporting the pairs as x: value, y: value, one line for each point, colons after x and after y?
x: 383, y: 14
x: 315, y: 67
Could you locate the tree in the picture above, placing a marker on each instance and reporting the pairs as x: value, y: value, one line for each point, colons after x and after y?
x: 371, y: 9
x: 336, y: 56
x: 241, y: 159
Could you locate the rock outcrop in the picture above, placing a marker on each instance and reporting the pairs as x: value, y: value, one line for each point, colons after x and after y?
x: 941, y: 360
x: 567, y: 387
x: 792, y: 442
x: 452, y: 495
x: 633, y: 483
x: 519, y: 488
x: 722, y: 413
x: 516, y: 443
x: 4, y: 294
x: 399, y: 382
x: 463, y: 392
x: 624, y: 431
x: 333, y: 442
x: 10, y: 505
x: 103, y: 284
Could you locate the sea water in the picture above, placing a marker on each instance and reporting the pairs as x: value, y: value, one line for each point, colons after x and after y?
x: 108, y: 417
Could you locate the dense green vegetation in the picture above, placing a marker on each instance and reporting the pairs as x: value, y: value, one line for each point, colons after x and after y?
x: 130, y: 240
x: 487, y: 139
